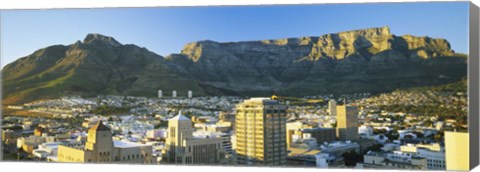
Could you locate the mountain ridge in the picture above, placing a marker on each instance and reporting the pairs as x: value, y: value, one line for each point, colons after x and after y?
x: 330, y: 63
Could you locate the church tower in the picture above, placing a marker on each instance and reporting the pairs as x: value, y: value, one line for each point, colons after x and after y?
x: 100, y: 142
x: 179, y: 130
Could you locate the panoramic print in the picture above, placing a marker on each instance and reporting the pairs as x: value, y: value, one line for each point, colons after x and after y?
x: 361, y: 86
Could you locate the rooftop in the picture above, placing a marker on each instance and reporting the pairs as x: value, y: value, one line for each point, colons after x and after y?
x: 99, y: 127
x: 300, y: 151
x: 180, y: 117
x: 124, y: 144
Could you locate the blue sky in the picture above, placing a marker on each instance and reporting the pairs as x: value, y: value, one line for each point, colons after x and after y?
x: 165, y: 30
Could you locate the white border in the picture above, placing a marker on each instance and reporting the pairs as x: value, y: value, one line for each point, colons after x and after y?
x: 62, y: 167
x: 48, y: 4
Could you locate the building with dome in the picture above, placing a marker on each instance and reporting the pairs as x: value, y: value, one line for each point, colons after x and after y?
x: 182, y: 147
x: 101, y: 148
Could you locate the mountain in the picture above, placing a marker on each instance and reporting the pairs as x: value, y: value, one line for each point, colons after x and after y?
x: 97, y: 65
x: 372, y: 60
x: 369, y: 60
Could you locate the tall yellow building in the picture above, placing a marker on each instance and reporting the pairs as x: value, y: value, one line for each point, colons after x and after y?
x: 183, y: 148
x: 457, y: 151
x: 347, y: 122
x: 261, y: 132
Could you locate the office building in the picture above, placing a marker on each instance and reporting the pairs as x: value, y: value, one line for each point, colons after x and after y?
x: 174, y: 94
x: 457, y: 151
x: 182, y: 147
x: 160, y: 94
x: 321, y: 135
x: 190, y: 94
x: 397, y: 160
x: 347, y: 123
x: 332, y: 107
x: 260, y: 132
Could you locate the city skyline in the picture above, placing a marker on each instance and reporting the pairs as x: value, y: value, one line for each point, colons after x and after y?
x: 360, y: 86
x: 166, y: 30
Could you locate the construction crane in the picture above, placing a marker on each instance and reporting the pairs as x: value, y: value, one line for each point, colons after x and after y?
x: 296, y: 100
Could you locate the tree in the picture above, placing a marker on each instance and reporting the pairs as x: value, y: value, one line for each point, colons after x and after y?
x: 376, y: 147
x: 392, y: 135
x: 334, y: 125
x: 351, y: 158
x: 427, y: 123
x: 161, y: 124
x: 379, y: 131
x: 438, y: 137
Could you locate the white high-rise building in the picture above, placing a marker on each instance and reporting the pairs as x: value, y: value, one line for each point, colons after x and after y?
x: 160, y: 94
x: 190, y: 94
x: 182, y: 147
x: 332, y: 107
x: 174, y: 94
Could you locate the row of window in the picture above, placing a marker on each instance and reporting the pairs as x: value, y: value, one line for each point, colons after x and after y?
x: 282, y: 111
x: 128, y: 157
x: 104, y: 153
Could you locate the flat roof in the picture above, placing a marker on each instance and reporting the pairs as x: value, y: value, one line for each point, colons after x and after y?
x: 124, y: 144
x: 301, y: 151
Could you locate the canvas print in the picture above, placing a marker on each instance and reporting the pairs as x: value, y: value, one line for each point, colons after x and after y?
x: 360, y: 86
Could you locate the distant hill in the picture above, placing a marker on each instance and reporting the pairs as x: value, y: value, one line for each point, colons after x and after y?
x: 369, y: 60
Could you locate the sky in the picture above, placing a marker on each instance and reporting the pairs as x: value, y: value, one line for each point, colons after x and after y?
x: 165, y: 30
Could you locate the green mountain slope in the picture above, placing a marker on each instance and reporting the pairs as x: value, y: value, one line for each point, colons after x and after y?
x: 369, y: 60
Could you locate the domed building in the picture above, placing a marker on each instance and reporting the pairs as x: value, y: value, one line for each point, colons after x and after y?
x: 101, y: 148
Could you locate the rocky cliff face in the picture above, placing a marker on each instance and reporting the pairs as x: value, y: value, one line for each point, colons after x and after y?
x: 341, y: 62
x: 368, y: 60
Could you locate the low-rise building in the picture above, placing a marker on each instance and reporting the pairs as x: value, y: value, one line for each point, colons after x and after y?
x: 434, y: 154
x: 337, y: 148
x: 9, y: 137
x: 29, y: 143
x: 101, y: 148
x: 380, y: 160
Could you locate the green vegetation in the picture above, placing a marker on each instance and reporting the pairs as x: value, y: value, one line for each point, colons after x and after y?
x: 110, y: 110
x: 162, y: 124
x: 91, y: 69
x: 455, y: 110
x: 351, y: 158
x: 376, y: 147
x: 460, y: 86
